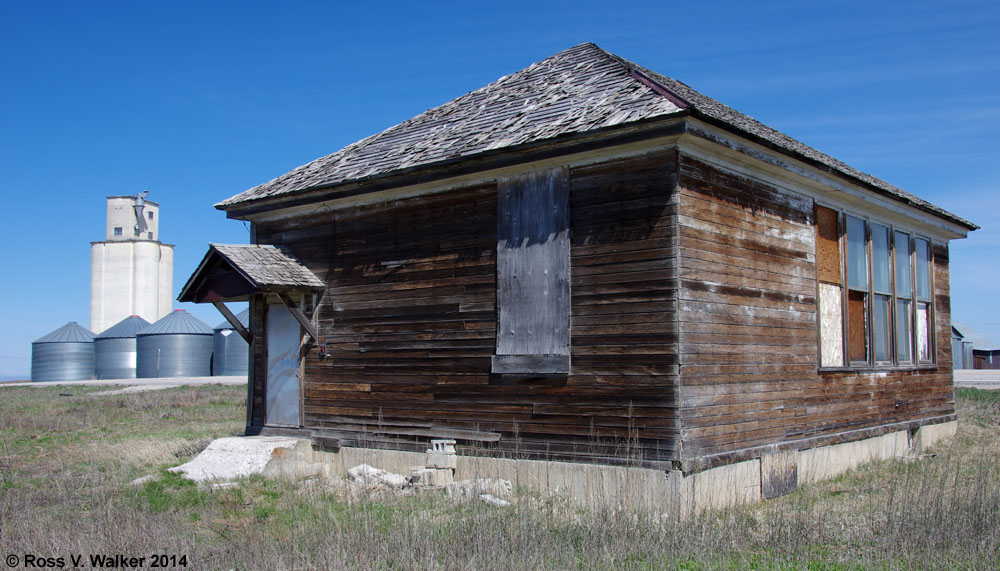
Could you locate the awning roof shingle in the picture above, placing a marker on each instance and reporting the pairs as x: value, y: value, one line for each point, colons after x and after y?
x: 233, y: 271
x: 268, y: 267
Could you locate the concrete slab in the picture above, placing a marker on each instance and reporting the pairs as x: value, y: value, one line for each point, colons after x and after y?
x: 235, y: 457
x: 138, y: 385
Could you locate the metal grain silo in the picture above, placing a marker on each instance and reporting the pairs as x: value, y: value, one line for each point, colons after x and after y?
x: 231, y: 352
x: 66, y: 354
x: 114, y: 349
x: 178, y: 345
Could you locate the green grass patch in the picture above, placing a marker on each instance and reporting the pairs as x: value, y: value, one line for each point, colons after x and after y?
x: 67, y: 464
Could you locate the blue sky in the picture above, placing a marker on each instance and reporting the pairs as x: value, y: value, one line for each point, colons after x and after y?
x: 197, y: 101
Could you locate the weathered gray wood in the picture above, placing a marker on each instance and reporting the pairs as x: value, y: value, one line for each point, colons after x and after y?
x: 233, y: 321
x: 779, y: 473
x: 300, y: 317
x: 533, y: 248
x: 531, y: 364
x: 430, y: 431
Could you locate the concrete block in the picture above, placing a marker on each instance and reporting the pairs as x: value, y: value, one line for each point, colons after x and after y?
x: 437, y: 478
x: 444, y: 446
x: 441, y: 460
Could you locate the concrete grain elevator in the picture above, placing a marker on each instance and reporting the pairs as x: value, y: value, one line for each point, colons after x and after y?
x: 131, y: 271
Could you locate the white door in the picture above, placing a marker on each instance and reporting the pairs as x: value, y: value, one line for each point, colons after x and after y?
x: 281, y: 405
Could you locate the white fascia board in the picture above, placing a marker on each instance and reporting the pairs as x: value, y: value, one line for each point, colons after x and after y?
x: 729, y: 152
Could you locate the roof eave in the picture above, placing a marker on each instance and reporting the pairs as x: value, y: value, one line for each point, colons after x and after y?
x: 663, y: 125
x: 188, y: 295
x: 770, y: 145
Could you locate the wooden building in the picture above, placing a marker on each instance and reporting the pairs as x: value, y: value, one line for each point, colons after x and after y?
x: 588, y: 261
x: 982, y: 352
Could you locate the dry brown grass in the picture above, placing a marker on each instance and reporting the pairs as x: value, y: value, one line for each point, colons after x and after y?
x: 66, y: 464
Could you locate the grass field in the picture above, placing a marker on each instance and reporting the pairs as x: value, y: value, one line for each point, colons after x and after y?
x: 67, y: 460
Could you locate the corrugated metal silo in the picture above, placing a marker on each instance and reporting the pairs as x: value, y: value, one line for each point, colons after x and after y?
x: 178, y: 345
x: 114, y: 349
x: 66, y: 354
x: 231, y: 353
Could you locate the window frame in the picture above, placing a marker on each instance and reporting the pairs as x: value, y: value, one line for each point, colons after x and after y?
x: 892, y: 329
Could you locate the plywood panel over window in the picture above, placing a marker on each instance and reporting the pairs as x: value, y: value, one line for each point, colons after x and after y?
x: 533, y: 297
x: 831, y: 325
x: 827, y: 245
x: 828, y: 272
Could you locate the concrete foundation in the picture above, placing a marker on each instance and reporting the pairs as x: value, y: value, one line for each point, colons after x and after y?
x: 613, y: 487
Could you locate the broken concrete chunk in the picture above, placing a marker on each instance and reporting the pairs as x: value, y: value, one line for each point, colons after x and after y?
x: 478, y: 487
x: 494, y: 501
x: 363, y: 473
x: 397, y: 481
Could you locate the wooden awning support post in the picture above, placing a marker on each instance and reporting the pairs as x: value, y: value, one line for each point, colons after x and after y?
x: 299, y: 316
x: 233, y: 321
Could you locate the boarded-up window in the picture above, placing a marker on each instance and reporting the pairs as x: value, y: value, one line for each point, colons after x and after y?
x: 827, y: 245
x: 533, y: 298
x: 857, y: 326
x: 831, y: 325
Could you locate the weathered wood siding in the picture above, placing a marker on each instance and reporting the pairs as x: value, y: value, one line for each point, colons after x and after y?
x: 624, y: 306
x: 409, y: 321
x: 258, y: 373
x: 748, y: 326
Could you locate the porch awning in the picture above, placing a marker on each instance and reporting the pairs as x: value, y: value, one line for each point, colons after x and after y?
x: 233, y: 272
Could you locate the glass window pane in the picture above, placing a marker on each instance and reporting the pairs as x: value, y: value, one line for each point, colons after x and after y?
x: 904, y: 341
x: 904, y: 281
x: 923, y: 269
x: 857, y: 255
x: 880, y: 260
x: 880, y: 318
x: 923, y: 332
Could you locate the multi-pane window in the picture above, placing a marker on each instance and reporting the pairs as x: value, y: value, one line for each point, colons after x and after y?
x: 875, y: 305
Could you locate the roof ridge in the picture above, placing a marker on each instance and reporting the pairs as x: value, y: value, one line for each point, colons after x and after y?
x: 304, y: 177
x: 644, y: 76
x: 583, y: 89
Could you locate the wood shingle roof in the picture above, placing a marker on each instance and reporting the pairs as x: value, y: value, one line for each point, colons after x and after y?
x: 575, y: 91
x: 267, y: 267
x: 234, y: 271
